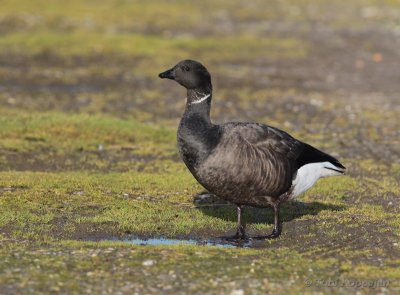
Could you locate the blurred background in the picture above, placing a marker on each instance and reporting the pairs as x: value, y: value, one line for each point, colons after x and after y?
x: 320, y: 69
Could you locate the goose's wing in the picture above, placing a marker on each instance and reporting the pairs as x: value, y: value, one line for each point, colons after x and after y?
x: 258, y: 160
x: 276, y: 142
x: 253, y: 158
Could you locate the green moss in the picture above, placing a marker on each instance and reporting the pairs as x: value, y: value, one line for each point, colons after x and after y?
x: 60, y: 131
x: 333, y: 188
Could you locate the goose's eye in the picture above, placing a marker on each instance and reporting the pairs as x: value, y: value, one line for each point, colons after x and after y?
x: 186, y: 68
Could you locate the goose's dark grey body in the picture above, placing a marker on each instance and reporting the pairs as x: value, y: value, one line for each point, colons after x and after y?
x: 240, y: 165
x: 244, y: 163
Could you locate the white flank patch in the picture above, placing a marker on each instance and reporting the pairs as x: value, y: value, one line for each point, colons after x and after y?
x: 200, y: 99
x: 308, y: 175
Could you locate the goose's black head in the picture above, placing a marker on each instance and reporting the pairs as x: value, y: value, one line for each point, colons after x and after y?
x: 190, y: 74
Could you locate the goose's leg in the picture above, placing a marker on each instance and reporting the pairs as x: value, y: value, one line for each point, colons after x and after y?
x: 240, y: 233
x: 276, y: 232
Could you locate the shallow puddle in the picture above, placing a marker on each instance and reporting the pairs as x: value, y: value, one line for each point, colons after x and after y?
x: 218, y: 242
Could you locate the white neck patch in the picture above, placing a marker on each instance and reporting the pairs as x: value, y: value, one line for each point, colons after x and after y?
x: 201, y: 99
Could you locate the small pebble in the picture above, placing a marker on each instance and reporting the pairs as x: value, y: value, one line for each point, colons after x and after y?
x: 148, y: 262
x: 237, y: 292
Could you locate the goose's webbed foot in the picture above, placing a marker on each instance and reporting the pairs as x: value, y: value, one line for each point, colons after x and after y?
x: 276, y: 232
x: 241, y: 232
x: 239, y: 236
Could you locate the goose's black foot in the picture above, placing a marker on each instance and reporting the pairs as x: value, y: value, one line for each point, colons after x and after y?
x: 235, y: 238
x: 239, y: 236
x: 275, y: 234
x: 241, y: 229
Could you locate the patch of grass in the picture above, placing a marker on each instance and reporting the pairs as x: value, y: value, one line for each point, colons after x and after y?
x: 159, y: 16
x: 333, y: 189
x: 140, y: 203
x: 119, y: 266
x: 68, y: 132
x: 45, y: 197
x: 87, y: 142
x: 133, y: 45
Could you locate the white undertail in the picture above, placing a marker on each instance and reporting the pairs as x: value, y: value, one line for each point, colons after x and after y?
x: 308, y: 175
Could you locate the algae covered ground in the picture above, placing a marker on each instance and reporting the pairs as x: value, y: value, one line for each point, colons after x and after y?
x: 88, y: 153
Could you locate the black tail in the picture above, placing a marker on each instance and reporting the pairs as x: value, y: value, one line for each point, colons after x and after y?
x: 312, y: 155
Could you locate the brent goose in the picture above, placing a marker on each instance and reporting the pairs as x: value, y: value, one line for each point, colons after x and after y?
x: 244, y: 163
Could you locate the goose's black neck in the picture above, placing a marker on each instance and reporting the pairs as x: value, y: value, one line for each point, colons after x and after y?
x: 199, y: 103
x: 197, y: 136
